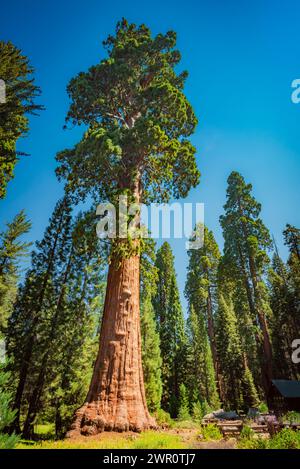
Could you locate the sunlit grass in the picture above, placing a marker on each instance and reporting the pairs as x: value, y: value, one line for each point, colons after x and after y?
x: 145, y: 440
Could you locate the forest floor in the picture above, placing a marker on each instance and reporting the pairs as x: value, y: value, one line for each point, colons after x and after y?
x: 182, y: 438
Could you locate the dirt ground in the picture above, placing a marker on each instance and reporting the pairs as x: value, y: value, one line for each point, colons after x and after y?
x: 191, y: 438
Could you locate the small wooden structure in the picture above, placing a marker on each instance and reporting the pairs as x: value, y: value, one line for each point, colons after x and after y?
x: 230, y: 428
x: 284, y: 395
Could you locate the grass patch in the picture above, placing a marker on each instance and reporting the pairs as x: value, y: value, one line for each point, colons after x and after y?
x: 145, y: 440
x: 186, y: 424
x: 45, y: 431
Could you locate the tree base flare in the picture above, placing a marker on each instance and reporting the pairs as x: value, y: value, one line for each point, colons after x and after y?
x: 89, y: 420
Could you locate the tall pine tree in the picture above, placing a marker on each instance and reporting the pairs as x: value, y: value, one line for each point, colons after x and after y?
x: 201, y: 285
x: 238, y: 389
x: 201, y: 371
x: 246, y: 241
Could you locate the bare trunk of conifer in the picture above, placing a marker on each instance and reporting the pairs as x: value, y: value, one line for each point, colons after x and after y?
x: 116, y: 399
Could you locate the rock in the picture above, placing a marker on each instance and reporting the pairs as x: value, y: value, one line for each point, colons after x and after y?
x: 220, y: 414
x: 253, y: 413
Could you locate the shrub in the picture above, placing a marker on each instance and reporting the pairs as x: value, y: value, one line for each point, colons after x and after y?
x: 247, y: 433
x: 163, y: 419
x: 285, y: 439
x: 210, y: 432
x: 263, y: 408
x: 292, y: 417
x: 7, y: 415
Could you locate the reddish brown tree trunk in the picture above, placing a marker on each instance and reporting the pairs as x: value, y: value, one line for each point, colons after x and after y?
x: 116, y: 398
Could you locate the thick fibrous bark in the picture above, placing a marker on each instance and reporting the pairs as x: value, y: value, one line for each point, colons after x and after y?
x: 116, y: 398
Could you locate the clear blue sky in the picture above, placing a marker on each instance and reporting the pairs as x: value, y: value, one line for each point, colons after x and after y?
x: 242, y: 57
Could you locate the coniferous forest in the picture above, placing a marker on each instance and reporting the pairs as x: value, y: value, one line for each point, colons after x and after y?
x: 98, y: 338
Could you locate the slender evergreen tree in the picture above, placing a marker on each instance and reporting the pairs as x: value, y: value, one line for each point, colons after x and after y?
x: 171, y: 327
x: 151, y: 355
x: 12, y: 250
x: 201, y: 371
x: 201, y: 285
x: 183, y: 412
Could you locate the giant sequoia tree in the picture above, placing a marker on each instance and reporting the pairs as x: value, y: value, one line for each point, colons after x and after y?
x: 139, y: 121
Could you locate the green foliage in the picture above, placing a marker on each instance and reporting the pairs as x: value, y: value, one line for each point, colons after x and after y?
x: 284, y: 288
x: 285, y: 439
x: 247, y: 433
x: 163, y: 419
x: 292, y: 417
x: 183, y: 411
x: 245, y: 262
x: 16, y: 72
x: 263, y: 408
x: 7, y: 415
x: 230, y: 353
x: 200, y: 292
x: 202, y: 274
x: 55, y: 318
x: 138, y: 119
x: 200, y: 363
x: 171, y: 329
x: 250, y: 395
x: 210, y: 432
x: 12, y: 250
x: 197, y: 411
x: 30, y: 321
x: 292, y: 240
x: 151, y: 357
